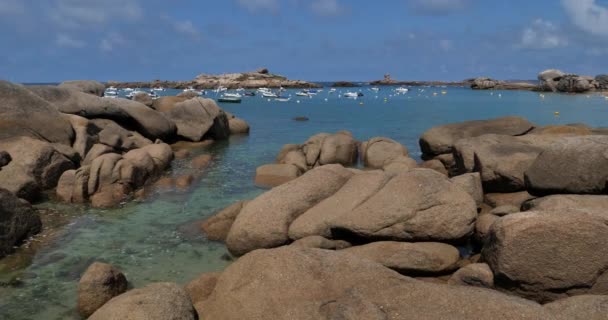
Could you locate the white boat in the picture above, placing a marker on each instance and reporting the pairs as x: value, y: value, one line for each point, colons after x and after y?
x: 189, y: 89
x: 220, y: 89
x: 269, y: 94
x: 262, y: 90
x: 240, y: 89
x: 332, y: 90
x: 232, y: 95
x: 159, y: 89
x: 402, y: 90
x: 127, y: 89
x: 303, y: 94
x: 351, y: 95
x: 376, y: 89
x: 283, y: 99
x: 110, y: 93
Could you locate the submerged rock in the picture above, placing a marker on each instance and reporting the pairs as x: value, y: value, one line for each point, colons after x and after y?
x: 18, y: 221
x: 100, y: 283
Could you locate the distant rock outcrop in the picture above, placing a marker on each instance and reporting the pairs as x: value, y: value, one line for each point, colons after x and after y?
x: 256, y: 79
x: 344, y: 84
x: 558, y: 81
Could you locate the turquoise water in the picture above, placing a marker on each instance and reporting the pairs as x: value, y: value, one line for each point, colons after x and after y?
x: 155, y: 240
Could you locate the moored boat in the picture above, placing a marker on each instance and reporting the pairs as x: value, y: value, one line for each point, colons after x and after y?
x: 229, y: 100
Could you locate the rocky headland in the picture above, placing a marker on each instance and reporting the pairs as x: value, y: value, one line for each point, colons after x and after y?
x: 248, y: 80
x: 504, y: 219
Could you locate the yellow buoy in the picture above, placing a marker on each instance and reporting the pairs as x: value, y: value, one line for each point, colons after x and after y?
x: 556, y: 113
x: 360, y: 103
x: 444, y: 92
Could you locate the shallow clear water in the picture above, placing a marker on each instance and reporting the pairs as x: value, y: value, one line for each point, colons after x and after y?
x: 154, y: 241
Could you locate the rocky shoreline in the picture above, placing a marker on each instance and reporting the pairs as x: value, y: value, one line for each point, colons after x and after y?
x: 247, y: 80
x: 91, y: 149
x: 503, y: 219
x: 495, y: 224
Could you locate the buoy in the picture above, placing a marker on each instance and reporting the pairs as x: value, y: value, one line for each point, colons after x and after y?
x: 556, y: 113
x: 434, y: 93
x: 360, y: 103
x: 444, y: 92
x: 325, y: 99
x: 297, y: 101
x: 500, y: 95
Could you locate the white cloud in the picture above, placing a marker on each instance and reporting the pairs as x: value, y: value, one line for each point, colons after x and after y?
x: 11, y: 7
x: 79, y: 13
x: 542, y: 35
x: 327, y: 7
x: 111, y: 41
x: 186, y: 27
x: 437, y: 6
x: 588, y: 15
x: 66, y: 41
x: 260, y: 5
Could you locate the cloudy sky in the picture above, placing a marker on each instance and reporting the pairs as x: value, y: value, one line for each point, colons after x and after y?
x: 54, y: 40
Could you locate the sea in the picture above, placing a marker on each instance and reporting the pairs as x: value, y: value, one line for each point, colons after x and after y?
x: 159, y: 239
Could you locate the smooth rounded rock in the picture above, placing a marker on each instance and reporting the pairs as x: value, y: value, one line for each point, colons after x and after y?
x: 157, y: 301
x: 100, y: 283
x: 410, y: 258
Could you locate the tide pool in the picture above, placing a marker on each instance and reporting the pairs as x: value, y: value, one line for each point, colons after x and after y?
x: 155, y: 240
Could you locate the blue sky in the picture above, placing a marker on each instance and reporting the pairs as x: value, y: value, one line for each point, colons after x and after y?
x: 54, y: 40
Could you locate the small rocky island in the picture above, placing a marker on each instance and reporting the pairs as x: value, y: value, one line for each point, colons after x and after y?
x: 260, y: 78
